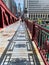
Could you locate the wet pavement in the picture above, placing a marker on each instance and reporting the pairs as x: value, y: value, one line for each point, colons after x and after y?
x: 19, y: 51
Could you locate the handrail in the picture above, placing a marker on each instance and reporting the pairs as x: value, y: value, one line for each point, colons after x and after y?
x: 40, y: 36
x: 42, y: 28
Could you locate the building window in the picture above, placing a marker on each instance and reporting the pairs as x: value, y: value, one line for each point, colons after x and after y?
x: 36, y: 16
x: 48, y: 16
x: 29, y: 15
x: 41, y: 15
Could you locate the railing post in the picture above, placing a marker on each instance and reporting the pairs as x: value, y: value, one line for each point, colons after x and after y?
x: 1, y: 18
x: 33, y: 31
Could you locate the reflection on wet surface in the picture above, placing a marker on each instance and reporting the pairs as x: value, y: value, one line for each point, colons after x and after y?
x: 20, y: 45
x: 18, y: 61
x: 19, y: 50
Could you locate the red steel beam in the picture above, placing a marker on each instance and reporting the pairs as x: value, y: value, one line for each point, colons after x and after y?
x: 34, y: 34
x: 6, y: 9
x: 6, y: 16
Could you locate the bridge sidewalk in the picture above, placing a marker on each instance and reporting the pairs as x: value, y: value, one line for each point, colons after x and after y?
x: 6, y: 34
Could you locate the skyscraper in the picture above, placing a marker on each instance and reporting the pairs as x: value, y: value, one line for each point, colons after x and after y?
x: 8, y: 3
x: 19, y: 9
x: 37, y: 9
x: 11, y: 5
x: 14, y: 7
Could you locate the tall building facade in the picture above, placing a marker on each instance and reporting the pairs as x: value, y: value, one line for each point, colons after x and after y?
x: 19, y: 9
x: 14, y: 7
x: 37, y: 9
x: 8, y: 3
x: 11, y: 5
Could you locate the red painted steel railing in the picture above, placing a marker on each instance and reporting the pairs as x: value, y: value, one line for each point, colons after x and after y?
x: 40, y: 36
x: 6, y: 17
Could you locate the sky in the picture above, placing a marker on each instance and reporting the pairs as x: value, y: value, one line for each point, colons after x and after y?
x: 21, y: 3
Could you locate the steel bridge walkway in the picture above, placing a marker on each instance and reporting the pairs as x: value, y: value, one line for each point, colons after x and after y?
x: 16, y: 46
x: 19, y: 51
